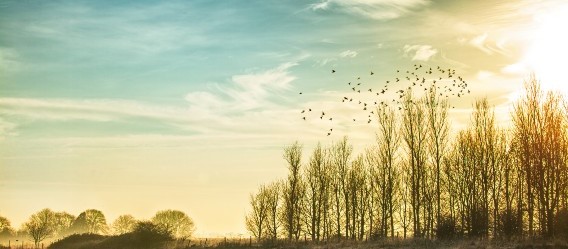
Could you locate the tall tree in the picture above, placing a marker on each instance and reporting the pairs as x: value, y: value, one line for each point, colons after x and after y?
x: 414, y: 137
x: 273, y: 196
x: 257, y: 219
x: 341, y: 157
x: 438, y: 129
x: 293, y: 192
x: 316, y: 192
x: 540, y: 133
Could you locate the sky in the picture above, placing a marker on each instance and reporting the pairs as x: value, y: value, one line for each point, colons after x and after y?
x: 132, y: 107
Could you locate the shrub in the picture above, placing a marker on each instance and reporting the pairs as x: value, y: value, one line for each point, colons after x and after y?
x: 561, y: 223
x: 446, y: 228
x: 479, y: 222
x: 78, y: 241
x: 510, y: 224
x: 145, y: 235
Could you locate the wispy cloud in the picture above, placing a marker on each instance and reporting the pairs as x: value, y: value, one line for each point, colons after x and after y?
x: 348, y: 53
x: 247, y: 92
x: 483, y: 43
x: 419, y: 52
x: 374, y: 9
x: 255, y: 104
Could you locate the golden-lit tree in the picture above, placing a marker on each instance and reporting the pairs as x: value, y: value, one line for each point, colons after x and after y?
x: 176, y: 222
x: 414, y: 135
x: 40, y: 226
x: 257, y: 219
x: 90, y: 221
x: 540, y: 136
x: 124, y: 224
x: 293, y: 192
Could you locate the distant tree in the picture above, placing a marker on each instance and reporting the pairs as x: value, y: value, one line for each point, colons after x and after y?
x: 63, y: 222
x: 177, y: 223
x: 90, y: 221
x: 4, y: 223
x: 6, y: 229
x: 40, y: 226
x: 124, y: 224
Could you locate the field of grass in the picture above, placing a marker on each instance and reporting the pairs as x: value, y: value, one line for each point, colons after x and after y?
x: 107, y: 242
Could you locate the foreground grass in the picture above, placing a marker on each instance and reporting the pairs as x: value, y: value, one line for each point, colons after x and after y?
x: 94, y: 242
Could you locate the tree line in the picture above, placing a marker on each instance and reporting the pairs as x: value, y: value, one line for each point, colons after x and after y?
x: 48, y: 224
x: 421, y: 179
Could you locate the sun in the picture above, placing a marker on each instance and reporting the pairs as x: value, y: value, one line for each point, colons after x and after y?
x: 547, y: 56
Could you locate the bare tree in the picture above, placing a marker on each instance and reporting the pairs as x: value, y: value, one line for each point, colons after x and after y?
x: 317, y: 184
x: 414, y: 137
x: 273, y: 202
x: 438, y: 129
x: 293, y: 192
x: 341, y: 156
x: 257, y: 219
x: 40, y: 226
x: 540, y: 133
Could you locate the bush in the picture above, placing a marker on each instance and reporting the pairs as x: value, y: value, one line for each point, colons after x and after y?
x: 479, y: 222
x: 510, y: 224
x: 561, y: 223
x: 446, y: 228
x: 78, y: 241
x: 145, y: 235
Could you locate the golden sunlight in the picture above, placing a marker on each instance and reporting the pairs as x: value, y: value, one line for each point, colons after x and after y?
x: 549, y: 50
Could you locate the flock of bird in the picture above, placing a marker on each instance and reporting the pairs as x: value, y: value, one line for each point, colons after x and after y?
x: 368, y: 96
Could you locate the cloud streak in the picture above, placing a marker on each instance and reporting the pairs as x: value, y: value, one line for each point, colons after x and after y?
x: 374, y: 9
x: 348, y: 53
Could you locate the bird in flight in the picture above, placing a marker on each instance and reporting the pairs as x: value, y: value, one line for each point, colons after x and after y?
x: 332, y: 70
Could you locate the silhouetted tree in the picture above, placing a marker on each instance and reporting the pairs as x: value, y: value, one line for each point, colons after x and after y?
x: 257, y: 219
x: 341, y: 157
x: 414, y: 137
x: 540, y: 133
x: 293, y: 192
x: 385, y: 170
x: 438, y: 130
x: 317, y: 193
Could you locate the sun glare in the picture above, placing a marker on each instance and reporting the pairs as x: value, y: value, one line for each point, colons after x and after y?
x: 548, y: 54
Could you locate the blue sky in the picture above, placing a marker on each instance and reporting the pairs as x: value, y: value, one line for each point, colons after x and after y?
x: 137, y: 106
